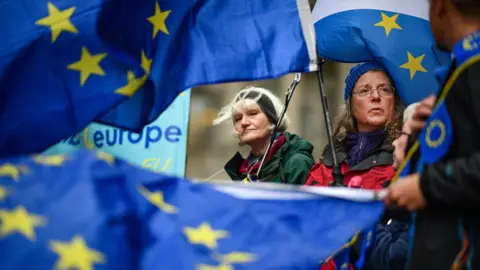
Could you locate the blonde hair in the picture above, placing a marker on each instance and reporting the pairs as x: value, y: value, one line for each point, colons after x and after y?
x: 243, y: 99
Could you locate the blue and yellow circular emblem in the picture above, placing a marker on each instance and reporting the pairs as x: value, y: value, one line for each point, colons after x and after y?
x: 436, y: 133
x: 436, y: 138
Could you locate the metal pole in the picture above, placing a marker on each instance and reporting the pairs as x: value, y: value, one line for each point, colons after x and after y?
x: 336, y: 171
x: 288, y: 97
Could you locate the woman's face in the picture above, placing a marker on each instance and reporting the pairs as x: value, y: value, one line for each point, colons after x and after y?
x: 373, y: 101
x: 251, y: 124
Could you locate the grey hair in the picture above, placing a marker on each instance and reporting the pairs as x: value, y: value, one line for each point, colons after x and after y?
x: 241, y: 99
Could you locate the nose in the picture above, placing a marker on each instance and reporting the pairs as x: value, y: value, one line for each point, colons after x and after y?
x: 245, y: 122
x: 375, y: 95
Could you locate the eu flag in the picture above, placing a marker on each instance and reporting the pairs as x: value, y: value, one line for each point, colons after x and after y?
x: 66, y: 63
x: 111, y: 215
x: 394, y: 33
x: 66, y: 212
x: 225, y: 227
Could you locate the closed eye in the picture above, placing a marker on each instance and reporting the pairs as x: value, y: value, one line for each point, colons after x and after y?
x: 252, y: 112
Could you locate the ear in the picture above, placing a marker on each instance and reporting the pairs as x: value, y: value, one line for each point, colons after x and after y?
x: 441, y: 7
x: 433, y: 8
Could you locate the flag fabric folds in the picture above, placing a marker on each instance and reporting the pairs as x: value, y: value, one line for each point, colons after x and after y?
x: 56, y: 75
x: 189, y: 43
x: 54, y: 218
x: 64, y: 64
x: 111, y: 215
x: 394, y: 33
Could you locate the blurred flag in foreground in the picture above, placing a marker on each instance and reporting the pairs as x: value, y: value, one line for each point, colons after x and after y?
x: 87, y: 210
x: 394, y: 33
x: 64, y: 64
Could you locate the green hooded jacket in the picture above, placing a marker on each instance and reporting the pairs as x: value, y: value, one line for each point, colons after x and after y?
x: 290, y: 164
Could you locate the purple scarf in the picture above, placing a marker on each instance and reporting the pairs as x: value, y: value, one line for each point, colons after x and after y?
x: 360, y: 145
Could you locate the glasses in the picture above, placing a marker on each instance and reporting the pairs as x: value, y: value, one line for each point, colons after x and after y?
x: 383, y: 91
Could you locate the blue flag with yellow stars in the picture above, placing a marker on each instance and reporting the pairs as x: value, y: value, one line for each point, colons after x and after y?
x: 67, y: 212
x: 64, y: 64
x: 394, y: 33
x: 88, y: 210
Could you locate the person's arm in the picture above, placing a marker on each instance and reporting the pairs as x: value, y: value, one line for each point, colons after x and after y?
x: 455, y: 183
x: 452, y: 184
x: 297, y: 168
x: 390, y: 248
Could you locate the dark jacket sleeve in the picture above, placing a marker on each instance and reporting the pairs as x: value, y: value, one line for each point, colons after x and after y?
x: 297, y: 167
x: 390, y: 248
x: 453, y: 184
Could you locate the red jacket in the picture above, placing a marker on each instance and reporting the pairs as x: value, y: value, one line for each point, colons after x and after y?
x: 375, y: 172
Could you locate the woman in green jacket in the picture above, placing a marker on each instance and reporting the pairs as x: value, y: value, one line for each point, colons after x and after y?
x: 254, y: 112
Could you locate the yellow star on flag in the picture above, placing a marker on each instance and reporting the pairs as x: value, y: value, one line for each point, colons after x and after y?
x: 227, y: 260
x: 76, y: 254
x: 58, y: 21
x: 219, y: 267
x: 156, y: 198
x: 146, y: 63
x: 132, y: 86
x: 388, y: 23
x: 3, y: 193
x: 204, y: 235
x: 414, y: 64
x: 19, y: 220
x: 88, y: 64
x: 51, y: 160
x: 236, y: 257
x: 106, y: 157
x: 158, y: 20
x: 12, y: 171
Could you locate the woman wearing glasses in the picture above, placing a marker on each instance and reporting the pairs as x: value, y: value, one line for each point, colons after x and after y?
x: 369, y: 123
x: 254, y: 112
